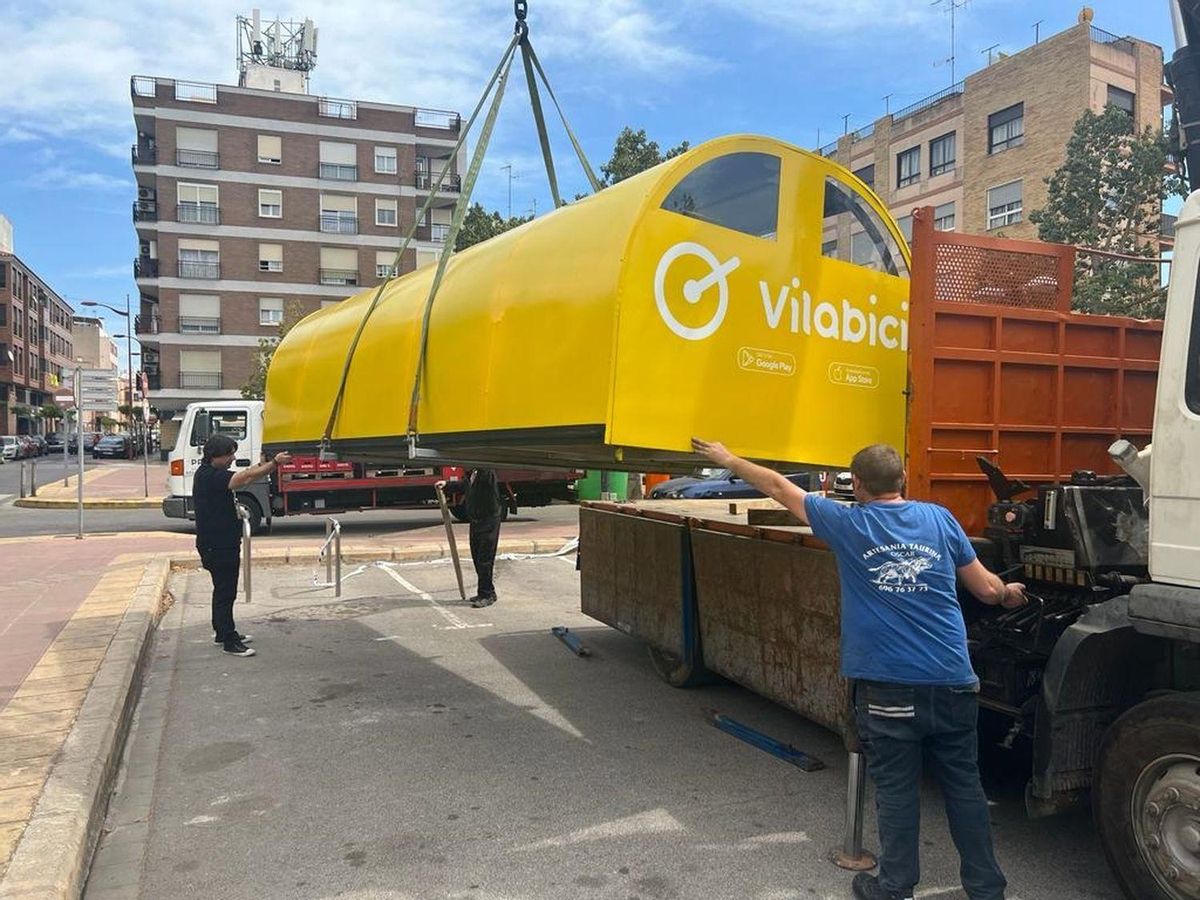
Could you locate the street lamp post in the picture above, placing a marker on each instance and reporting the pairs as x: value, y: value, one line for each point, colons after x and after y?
x: 129, y: 338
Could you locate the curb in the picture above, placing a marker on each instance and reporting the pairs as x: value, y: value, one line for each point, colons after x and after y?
x: 54, y: 854
x: 115, y: 503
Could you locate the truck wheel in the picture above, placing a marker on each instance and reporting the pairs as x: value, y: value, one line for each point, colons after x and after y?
x: 254, y: 511
x: 1146, y: 798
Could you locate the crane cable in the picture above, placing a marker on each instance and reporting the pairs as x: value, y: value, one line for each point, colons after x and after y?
x: 498, y: 81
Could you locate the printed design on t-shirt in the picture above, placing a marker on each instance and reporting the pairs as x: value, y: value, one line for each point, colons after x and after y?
x: 900, y: 567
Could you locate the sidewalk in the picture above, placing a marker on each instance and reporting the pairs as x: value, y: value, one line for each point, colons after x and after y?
x: 106, y: 485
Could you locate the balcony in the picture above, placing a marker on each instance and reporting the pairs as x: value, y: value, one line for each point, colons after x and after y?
x: 337, y: 109
x: 145, y: 267
x: 424, y: 181
x: 199, y: 324
x: 196, y: 92
x: 338, y: 172
x: 194, y: 268
x: 146, y: 324
x: 199, y: 381
x: 145, y: 211
x: 439, y: 233
x: 143, y: 156
x: 437, y: 118
x: 154, y: 381
x: 339, y: 276
x: 142, y: 86
x: 197, y: 159
x: 199, y: 213
x: 339, y: 223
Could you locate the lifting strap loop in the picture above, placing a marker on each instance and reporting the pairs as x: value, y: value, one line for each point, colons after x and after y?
x: 502, y: 68
x: 539, y: 119
x: 583, y: 160
x: 460, y: 211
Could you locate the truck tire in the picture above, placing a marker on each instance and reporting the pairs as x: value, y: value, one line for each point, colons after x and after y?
x: 254, y: 511
x: 1146, y: 798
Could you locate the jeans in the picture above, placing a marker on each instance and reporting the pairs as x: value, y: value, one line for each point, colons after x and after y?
x: 901, y: 727
x: 224, y: 565
x: 485, y: 535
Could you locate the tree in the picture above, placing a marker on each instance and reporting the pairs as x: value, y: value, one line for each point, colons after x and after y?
x: 255, y: 387
x: 52, y: 413
x: 1108, y: 195
x: 479, y: 225
x: 634, y: 152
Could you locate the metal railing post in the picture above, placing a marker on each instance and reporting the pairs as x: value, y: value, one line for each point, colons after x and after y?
x: 851, y: 855
x: 22, y: 474
x: 33, y: 479
x: 328, y: 558
x: 247, y: 570
x: 337, y: 557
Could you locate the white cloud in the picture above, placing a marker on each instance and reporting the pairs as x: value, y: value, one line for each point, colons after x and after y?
x: 59, y: 176
x: 832, y: 16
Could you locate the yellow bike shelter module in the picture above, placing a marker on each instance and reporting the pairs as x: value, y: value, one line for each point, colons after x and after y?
x: 747, y: 291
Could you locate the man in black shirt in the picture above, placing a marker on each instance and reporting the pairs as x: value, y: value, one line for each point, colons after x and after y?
x: 219, y: 533
x: 484, y: 512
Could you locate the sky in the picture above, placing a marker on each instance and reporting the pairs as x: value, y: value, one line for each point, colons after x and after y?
x: 683, y: 70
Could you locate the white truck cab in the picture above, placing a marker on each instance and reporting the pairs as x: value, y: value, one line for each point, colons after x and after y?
x: 241, y: 420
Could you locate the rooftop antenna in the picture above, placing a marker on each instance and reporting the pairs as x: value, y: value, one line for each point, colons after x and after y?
x: 988, y: 51
x: 887, y: 104
x: 1037, y: 31
x: 952, y: 7
x: 509, y: 169
x: 276, y: 56
x: 846, y: 123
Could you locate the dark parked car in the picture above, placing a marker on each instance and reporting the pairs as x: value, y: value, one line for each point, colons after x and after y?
x: 113, y: 446
x: 730, y: 487
x: 89, y: 441
x: 40, y: 443
x: 54, y: 442
x: 669, y: 489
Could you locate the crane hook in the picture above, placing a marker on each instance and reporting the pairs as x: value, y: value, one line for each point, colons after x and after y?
x: 521, y: 10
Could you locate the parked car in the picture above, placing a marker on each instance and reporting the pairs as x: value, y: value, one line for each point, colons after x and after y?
x: 54, y: 442
x: 843, y: 486
x: 89, y: 440
x: 28, y: 448
x: 669, y: 489
x: 40, y: 443
x: 10, y: 447
x: 113, y: 446
x: 730, y: 487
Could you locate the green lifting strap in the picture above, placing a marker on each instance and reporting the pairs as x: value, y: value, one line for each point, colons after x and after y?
x: 539, y: 119
x: 501, y: 69
x: 583, y: 160
x: 460, y: 211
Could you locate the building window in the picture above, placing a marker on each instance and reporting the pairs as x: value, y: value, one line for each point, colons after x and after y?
x: 385, y: 213
x: 866, y: 175
x: 1006, y: 129
x: 905, y: 223
x: 198, y: 204
x: 270, y: 149
x: 739, y: 191
x: 270, y: 257
x: 871, y: 243
x: 339, y: 214
x: 941, y: 154
x: 943, y: 217
x: 385, y: 160
x: 383, y: 264
x: 339, y: 266
x: 270, y: 311
x: 196, y: 148
x: 1122, y: 99
x: 199, y: 314
x: 908, y: 167
x: 270, y: 204
x: 338, y: 161
x: 1004, y: 205
x: 199, y: 259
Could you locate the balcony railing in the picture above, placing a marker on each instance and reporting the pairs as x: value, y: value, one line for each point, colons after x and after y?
x: 145, y: 211
x: 436, y: 118
x: 339, y: 223
x: 926, y: 102
x: 425, y: 181
x: 196, y: 91
x: 439, y: 233
x: 337, y: 109
x: 147, y: 324
x: 197, y: 159
x: 194, y: 268
x: 201, y: 213
x: 143, y: 156
x: 1100, y: 36
x: 145, y: 267
x: 200, y: 381
x: 338, y: 172
x: 339, y: 276
x: 199, y: 324
x: 142, y: 86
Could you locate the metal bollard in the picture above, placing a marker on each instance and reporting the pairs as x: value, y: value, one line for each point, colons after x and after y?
x: 851, y: 854
x: 246, y: 551
x: 333, y: 555
x: 33, y: 479
x: 22, y: 475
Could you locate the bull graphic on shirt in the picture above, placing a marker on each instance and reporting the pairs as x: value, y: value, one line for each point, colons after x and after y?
x: 902, y: 569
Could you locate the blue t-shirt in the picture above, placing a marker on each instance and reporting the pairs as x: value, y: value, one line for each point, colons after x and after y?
x: 897, y: 562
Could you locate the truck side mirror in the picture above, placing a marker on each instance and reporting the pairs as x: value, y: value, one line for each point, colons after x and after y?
x: 201, y: 428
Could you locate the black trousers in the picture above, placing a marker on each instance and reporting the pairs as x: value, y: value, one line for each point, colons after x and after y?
x: 224, y: 565
x: 485, y: 535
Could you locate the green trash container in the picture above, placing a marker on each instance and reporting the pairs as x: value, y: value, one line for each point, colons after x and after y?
x: 589, y: 487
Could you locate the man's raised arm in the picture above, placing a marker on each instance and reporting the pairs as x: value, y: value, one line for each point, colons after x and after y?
x: 766, y: 480
x: 243, y: 477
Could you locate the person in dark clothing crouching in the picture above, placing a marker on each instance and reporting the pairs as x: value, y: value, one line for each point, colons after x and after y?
x: 219, y: 533
x: 484, y: 511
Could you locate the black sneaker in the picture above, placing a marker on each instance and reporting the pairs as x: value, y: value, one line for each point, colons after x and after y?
x: 237, y: 648
x: 867, y: 887
x: 480, y: 602
x: 244, y: 638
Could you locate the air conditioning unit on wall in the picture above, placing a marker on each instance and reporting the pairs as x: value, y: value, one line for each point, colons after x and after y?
x: 146, y: 193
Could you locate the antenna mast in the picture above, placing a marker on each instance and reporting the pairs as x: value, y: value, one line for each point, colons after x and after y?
x: 952, y: 7
x: 276, y: 56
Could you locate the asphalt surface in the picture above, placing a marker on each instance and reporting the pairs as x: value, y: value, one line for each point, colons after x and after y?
x: 396, y: 744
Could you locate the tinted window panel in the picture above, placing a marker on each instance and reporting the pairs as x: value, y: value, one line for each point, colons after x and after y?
x: 738, y: 191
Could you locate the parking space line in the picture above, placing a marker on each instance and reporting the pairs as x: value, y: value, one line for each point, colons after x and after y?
x: 454, y: 621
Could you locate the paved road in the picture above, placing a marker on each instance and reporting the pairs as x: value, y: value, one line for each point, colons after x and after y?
x: 394, y: 744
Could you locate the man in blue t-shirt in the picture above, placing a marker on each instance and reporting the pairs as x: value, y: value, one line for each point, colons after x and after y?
x: 904, y: 644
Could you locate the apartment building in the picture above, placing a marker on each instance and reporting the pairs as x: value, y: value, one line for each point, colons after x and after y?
x: 979, y: 151
x: 95, y: 349
x: 255, y: 200
x: 35, y: 342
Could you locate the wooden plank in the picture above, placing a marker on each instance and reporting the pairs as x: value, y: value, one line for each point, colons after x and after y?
x: 772, y: 517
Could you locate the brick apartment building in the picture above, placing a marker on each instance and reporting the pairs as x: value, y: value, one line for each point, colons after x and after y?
x: 979, y: 151
x: 254, y: 200
x: 35, y: 342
